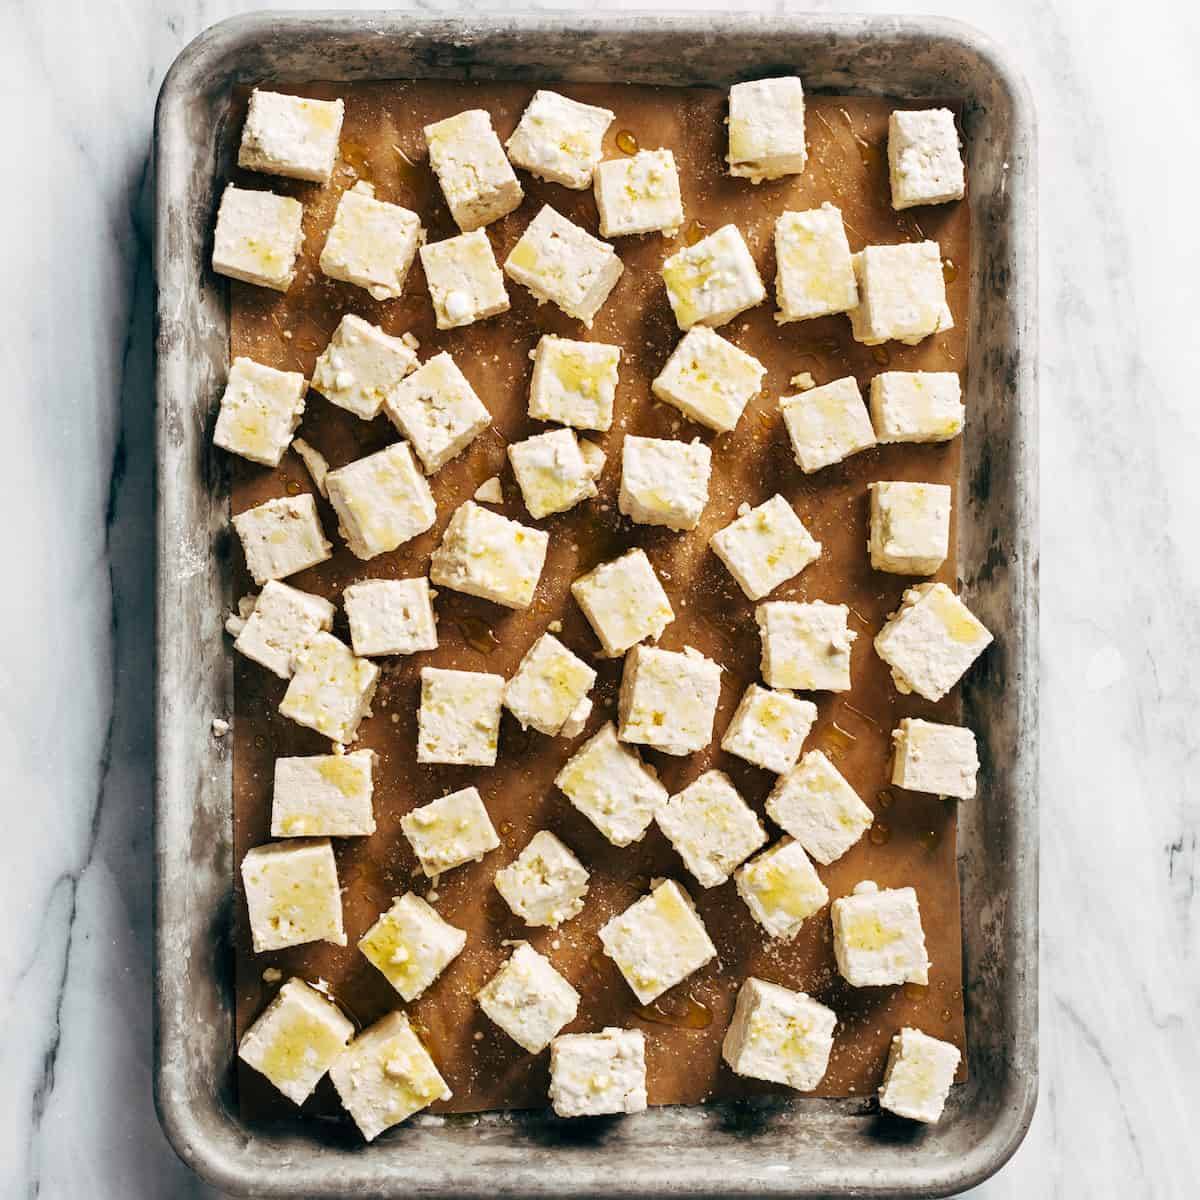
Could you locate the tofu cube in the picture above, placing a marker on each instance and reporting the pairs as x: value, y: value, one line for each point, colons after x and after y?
x: 765, y: 547
x: 331, y: 689
x: 901, y: 294
x: 561, y: 262
x: 465, y: 283
x: 827, y: 424
x: 930, y: 641
x: 258, y: 237
x: 612, y: 787
x: 592, y: 1074
x: 476, y: 179
x: 385, y: 1075
x: 283, y: 622
x: 296, y: 1039
x: 459, y: 718
x: 711, y: 282
x: 779, y: 1035
x: 910, y: 527
x: 805, y: 646
x: 549, y: 685
x: 291, y: 135
x: 411, y: 945
x: 371, y: 243
x: 924, y: 163
x: 281, y: 537
x: 766, y: 129
x: 781, y: 888
x: 940, y: 759
x: 709, y: 379
x: 624, y: 602
x: 260, y: 410
x: 877, y: 937
x: 920, y: 1071
x: 814, y: 275
x: 768, y: 729
x: 529, y: 999
x: 324, y: 795
x: 391, y: 616
x: 711, y: 827
x: 450, y: 831
x: 551, y: 472
x: 559, y: 140
x: 489, y: 491
x: 485, y: 554
x: 814, y: 803
x: 663, y: 481
x: 668, y: 700
x: 916, y: 406
x: 545, y: 884
x: 382, y: 501
x: 437, y: 409
x: 360, y: 367
x: 639, y: 194
x: 292, y: 895
x: 574, y: 383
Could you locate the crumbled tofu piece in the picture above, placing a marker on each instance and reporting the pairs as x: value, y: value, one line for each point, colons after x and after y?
x: 916, y: 406
x: 292, y: 894
x: 594, y: 457
x: 902, y: 294
x: 260, y: 410
x: 281, y: 537
x: 465, y: 284
x: 814, y: 275
x: 814, y: 803
x: 935, y: 758
x: 574, y: 725
x: 258, y: 237
x: 596, y: 1073
x: 371, y: 243
x: 663, y: 481
x: 910, y: 527
x: 559, y: 140
x: 779, y: 1035
x: 624, y: 602
x: 452, y: 830
x: 781, y: 888
x: 766, y: 129
x: 574, y: 383
x: 360, y: 367
x: 709, y: 379
x: 805, y: 645
x: 291, y: 135
x: 284, y: 620
x: 296, y: 1039
x: 545, y: 884
x: 920, y: 1071
x: 711, y: 827
x: 548, y: 686
x: 477, y: 180
x: 411, y: 945
x: 559, y: 261
x: 529, y: 999
x: 668, y: 700
x: 827, y: 424
x: 324, y: 795
x: 382, y: 501
x: 331, y: 688
x: 924, y: 162
x: 877, y: 937
x: 490, y: 491
x: 612, y: 787
x: 639, y: 194
x: 391, y: 616
x: 930, y: 641
x: 485, y: 554
x: 220, y: 727
x: 803, y: 382
x: 459, y: 717
x: 315, y: 463
x: 711, y: 282
x: 551, y: 472
x: 768, y: 729
x: 765, y: 547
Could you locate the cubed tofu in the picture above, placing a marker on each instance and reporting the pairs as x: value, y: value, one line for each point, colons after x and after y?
x: 766, y: 129
x: 916, y: 406
x: 465, y: 283
x: 779, y: 1035
x: 781, y: 888
x: 559, y: 139
x: 331, y: 688
x: 324, y: 795
x: 391, y: 616
x: 281, y: 537
x: 668, y: 700
x: 711, y: 827
x: 901, y: 294
x: 663, y: 481
x: 592, y: 1074
x: 877, y: 937
x: 930, y: 641
x: 385, y: 1075
x: 545, y: 884
x: 574, y: 383
x: 768, y: 729
x: 291, y: 135
x: 551, y: 472
x: 639, y: 194
x: 477, y: 181
x: 624, y: 602
x: 258, y: 237
x: 827, y: 424
x: 549, y: 685
x: 765, y: 547
x: 411, y: 945
x: 930, y: 757
x: 459, y: 718
x: 924, y: 162
x: 612, y: 787
x: 805, y: 645
x: 814, y: 276
x: 711, y: 282
x: 529, y: 999
x: 559, y: 261
x: 910, y: 527
x: 260, y: 410
x: 382, y: 501
x: 292, y: 894
x: 920, y: 1070
x: 814, y: 803
x: 437, y: 409
x: 450, y: 831
x: 485, y: 554
x: 371, y: 243
x: 283, y: 622
x: 360, y: 367
x: 296, y: 1039
x: 709, y: 379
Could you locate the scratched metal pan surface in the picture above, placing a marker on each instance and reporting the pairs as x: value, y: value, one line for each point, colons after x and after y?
x: 801, y: 1148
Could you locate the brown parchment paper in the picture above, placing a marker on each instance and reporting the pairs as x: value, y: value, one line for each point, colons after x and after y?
x: 913, y: 840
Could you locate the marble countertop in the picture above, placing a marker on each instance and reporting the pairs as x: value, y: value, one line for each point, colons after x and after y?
x: 1120, y: 1034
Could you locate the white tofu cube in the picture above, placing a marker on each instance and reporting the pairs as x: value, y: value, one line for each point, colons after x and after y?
x: 592, y: 1074
x: 768, y: 729
x: 485, y: 554
x: 382, y: 501
x: 624, y: 602
x: 924, y: 162
x: 658, y: 941
x: 766, y: 129
x: 711, y: 282
x: 781, y: 888
x: 901, y: 294
x: 779, y: 1035
x: 559, y: 140
x: 331, y: 689
x: 360, y: 367
x: 877, y: 937
x: 476, y: 179
x: 920, y: 1071
x: 916, y: 406
x: 545, y: 884
x: 910, y: 527
x: 258, y: 237
x: 260, y: 410
x: 639, y: 194
x: 549, y: 684
x: 709, y: 379
x: 411, y: 945
x: 291, y: 135
x: 814, y: 276
x: 292, y: 895
x: 805, y: 645
x: 281, y: 537
x: 551, y: 472
x: 385, y: 1075
x: 437, y: 409
x: 283, y: 622
x: 765, y: 547
x: 929, y: 757
x: 296, y: 1039
x: 574, y: 383
x: 529, y: 999
x: 450, y: 831
x: 663, y: 481
x: 668, y: 700
x: 561, y: 262
x: 371, y: 243
x: 612, y: 787
x: 711, y: 827
x: 827, y: 424
x: 814, y: 803
x: 465, y: 283
x: 391, y: 616
x: 324, y: 795
x: 459, y: 718
x: 930, y: 641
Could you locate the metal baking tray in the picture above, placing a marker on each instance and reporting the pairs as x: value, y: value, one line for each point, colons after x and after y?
x: 804, y: 1147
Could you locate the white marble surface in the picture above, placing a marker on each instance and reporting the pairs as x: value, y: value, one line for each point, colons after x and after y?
x: 1116, y: 90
